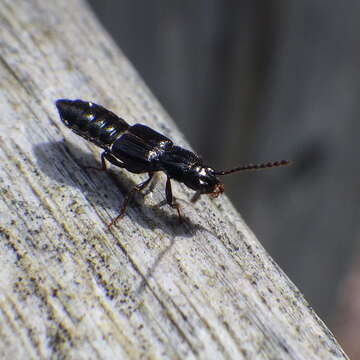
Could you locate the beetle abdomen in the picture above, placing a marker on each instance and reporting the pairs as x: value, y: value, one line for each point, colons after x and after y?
x: 91, y: 121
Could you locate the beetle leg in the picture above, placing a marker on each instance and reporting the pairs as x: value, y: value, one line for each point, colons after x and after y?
x: 129, y: 196
x: 111, y: 158
x: 169, y: 198
x: 196, y: 196
x: 106, y: 155
x: 103, y: 164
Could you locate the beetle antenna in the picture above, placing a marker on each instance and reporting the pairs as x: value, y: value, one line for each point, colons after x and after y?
x: 246, y: 167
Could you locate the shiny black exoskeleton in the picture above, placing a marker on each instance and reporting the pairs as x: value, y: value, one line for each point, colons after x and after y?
x: 140, y: 149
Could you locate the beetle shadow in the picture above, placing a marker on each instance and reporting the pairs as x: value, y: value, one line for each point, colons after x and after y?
x: 66, y: 164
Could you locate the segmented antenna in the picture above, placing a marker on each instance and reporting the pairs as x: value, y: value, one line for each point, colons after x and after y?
x: 249, y: 167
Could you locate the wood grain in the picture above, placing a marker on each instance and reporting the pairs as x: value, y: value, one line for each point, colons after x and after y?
x: 149, y: 288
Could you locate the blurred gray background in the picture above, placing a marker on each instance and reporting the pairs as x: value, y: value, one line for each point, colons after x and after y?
x: 252, y: 81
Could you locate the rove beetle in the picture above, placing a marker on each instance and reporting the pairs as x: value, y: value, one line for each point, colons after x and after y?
x: 140, y: 149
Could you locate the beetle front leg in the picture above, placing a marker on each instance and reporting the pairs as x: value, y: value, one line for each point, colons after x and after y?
x: 169, y: 198
x: 129, y: 196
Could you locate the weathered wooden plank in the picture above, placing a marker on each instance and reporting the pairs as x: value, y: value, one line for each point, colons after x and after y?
x: 149, y: 287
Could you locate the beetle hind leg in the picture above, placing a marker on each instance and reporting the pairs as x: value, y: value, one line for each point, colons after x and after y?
x: 129, y: 196
x: 170, y: 199
x: 106, y: 155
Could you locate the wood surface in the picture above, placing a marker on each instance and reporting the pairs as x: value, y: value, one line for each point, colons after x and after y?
x: 149, y: 288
